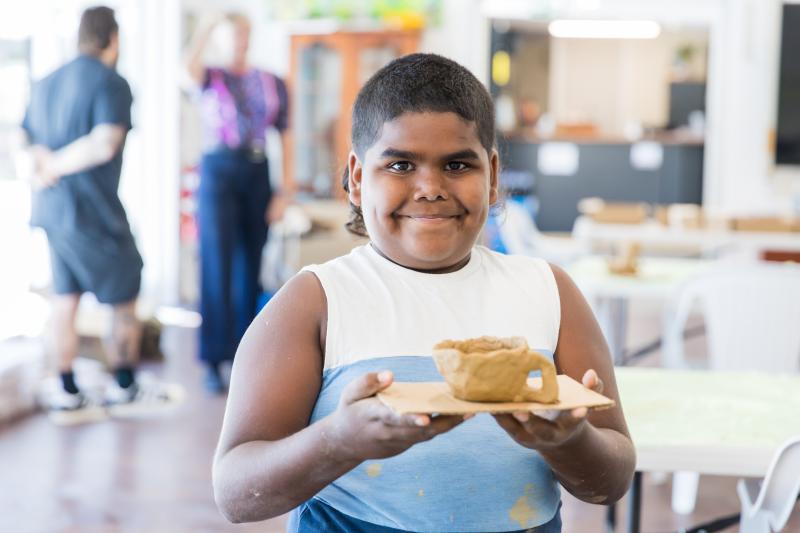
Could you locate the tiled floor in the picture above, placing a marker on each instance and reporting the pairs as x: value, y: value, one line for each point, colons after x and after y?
x: 154, y: 475
x: 120, y: 476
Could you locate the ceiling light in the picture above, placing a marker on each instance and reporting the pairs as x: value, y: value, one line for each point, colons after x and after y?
x: 604, y: 29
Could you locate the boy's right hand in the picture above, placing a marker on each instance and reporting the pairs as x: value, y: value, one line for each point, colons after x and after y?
x: 363, y: 428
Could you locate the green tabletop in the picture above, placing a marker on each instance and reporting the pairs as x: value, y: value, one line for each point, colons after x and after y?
x: 714, y: 422
x: 657, y: 276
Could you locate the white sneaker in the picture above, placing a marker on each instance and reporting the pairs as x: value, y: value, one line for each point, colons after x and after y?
x: 143, y: 398
x: 65, y: 409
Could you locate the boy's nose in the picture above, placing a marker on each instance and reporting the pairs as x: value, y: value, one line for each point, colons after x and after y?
x: 430, y: 185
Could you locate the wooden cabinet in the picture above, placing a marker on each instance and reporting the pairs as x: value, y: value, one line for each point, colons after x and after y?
x: 325, y: 74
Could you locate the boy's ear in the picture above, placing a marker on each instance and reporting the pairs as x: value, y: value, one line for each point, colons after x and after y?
x: 354, y: 179
x: 494, y: 176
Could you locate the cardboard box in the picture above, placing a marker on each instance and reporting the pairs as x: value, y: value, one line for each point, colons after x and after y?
x: 684, y: 216
x: 766, y: 224
x: 660, y: 214
x: 621, y: 213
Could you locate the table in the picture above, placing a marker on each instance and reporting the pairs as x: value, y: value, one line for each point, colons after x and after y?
x: 703, y: 421
x: 658, y: 279
x: 710, y: 242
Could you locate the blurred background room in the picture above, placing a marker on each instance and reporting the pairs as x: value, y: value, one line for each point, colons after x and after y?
x: 649, y: 147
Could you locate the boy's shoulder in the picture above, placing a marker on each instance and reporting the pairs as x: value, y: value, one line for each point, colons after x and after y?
x: 511, y: 260
x: 356, y: 256
x: 363, y: 259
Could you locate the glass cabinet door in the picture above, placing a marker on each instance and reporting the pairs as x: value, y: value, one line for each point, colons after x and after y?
x: 327, y: 71
x: 316, y: 109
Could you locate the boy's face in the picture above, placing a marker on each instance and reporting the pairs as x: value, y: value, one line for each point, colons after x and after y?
x: 425, y: 187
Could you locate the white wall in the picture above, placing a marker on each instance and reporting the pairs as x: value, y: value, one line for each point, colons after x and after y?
x: 463, y: 36
x: 585, y: 79
x: 151, y: 172
x: 742, y: 102
x: 613, y: 82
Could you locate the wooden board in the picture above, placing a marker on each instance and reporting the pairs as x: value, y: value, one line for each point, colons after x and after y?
x: 435, y: 397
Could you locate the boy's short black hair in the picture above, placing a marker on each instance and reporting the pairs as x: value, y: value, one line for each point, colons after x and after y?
x: 97, y: 27
x: 417, y: 83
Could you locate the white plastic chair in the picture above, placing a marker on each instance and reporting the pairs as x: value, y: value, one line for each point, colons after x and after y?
x: 752, y: 314
x: 520, y: 236
x: 748, y: 309
x: 768, y: 509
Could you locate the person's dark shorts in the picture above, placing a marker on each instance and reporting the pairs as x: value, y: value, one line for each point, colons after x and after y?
x: 109, y: 266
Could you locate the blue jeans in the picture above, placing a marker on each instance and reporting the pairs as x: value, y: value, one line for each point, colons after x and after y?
x: 232, y: 200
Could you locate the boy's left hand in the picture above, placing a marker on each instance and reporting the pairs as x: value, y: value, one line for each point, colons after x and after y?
x: 538, y: 433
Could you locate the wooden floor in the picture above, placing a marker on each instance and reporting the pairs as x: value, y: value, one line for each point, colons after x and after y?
x: 154, y: 475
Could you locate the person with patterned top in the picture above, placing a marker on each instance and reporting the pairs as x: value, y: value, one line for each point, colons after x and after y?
x: 236, y: 202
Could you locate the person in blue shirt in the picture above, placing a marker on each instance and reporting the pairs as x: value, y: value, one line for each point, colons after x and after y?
x: 303, y: 431
x: 74, y: 132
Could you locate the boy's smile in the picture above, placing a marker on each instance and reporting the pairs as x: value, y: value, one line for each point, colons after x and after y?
x: 424, y: 188
x: 432, y: 216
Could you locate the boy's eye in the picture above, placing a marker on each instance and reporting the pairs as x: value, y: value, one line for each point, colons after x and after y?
x: 456, y: 166
x: 401, y: 166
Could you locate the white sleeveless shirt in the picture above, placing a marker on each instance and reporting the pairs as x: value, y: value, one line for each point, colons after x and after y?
x: 382, y: 316
x: 377, y: 308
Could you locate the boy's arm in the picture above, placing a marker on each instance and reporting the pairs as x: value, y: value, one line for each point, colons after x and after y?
x: 269, y: 459
x: 591, y: 453
x: 274, y: 384
x: 598, y: 464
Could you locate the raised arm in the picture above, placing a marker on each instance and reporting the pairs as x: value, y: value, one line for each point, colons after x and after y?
x: 193, y: 62
x: 590, y: 453
x: 269, y: 459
